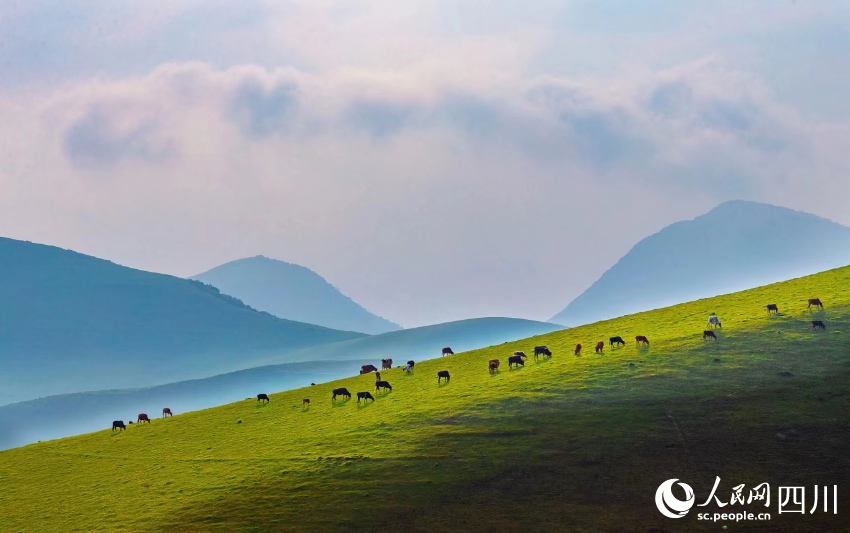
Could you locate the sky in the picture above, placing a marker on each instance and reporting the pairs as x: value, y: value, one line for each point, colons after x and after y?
x: 433, y: 160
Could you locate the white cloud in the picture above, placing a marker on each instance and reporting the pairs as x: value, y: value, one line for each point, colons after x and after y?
x: 423, y: 156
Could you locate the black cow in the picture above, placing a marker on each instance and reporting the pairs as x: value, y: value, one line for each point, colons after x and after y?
x: 261, y: 397
x: 708, y: 334
x: 341, y: 392
x: 448, y: 351
x: 772, y: 308
x: 616, y: 340
x: 541, y: 350
x: 383, y: 385
x: 365, y: 369
x: 118, y: 424
x: 364, y: 396
x: 443, y: 374
x: 818, y: 324
x: 515, y: 360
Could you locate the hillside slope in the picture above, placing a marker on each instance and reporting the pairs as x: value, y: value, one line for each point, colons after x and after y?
x: 571, y: 443
x: 424, y: 342
x: 293, y: 292
x: 72, y: 414
x: 734, y: 246
x: 71, y: 322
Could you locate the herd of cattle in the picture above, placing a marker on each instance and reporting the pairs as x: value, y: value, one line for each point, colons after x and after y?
x: 516, y: 360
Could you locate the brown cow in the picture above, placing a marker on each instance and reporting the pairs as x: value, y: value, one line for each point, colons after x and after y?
x: 377, y: 376
x: 599, y: 346
x: 305, y: 402
x: 708, y: 334
x: 814, y: 302
x: 493, y: 365
x: 386, y: 364
x: 578, y: 349
x: 447, y: 351
x: 365, y: 369
x: 143, y: 418
x: 641, y: 339
x: 166, y: 412
x: 772, y: 308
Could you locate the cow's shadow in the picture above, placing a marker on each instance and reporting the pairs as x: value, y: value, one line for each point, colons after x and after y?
x: 342, y: 403
x: 364, y: 405
x: 441, y: 384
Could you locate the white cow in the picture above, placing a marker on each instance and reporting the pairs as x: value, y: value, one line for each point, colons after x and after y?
x: 714, y: 321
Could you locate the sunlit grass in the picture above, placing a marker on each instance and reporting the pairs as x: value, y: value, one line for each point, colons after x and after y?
x: 567, y: 443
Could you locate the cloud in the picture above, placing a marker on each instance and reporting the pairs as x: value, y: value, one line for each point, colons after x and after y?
x: 96, y: 140
x: 260, y: 110
x: 417, y: 153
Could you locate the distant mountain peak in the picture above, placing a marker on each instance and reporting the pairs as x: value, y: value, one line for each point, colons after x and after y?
x: 737, y: 245
x: 288, y: 290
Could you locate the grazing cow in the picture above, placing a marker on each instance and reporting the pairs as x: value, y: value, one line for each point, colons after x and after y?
x: 641, y: 339
x: 493, y: 365
x: 118, y: 424
x: 166, y: 412
x: 364, y: 396
x: 515, y: 360
x: 408, y: 368
x: 578, y: 349
x: 616, y: 340
x: 143, y: 418
x: 600, y: 346
x: 714, y: 321
x: 386, y: 364
x: 411, y: 364
x: 383, y: 385
x: 341, y: 392
x: 541, y: 350
x: 365, y: 369
x: 377, y: 376
x: 708, y: 334
x: 772, y: 308
x: 814, y: 302
x: 305, y: 402
x: 818, y: 324
x: 261, y: 397
x: 443, y: 374
x: 447, y: 351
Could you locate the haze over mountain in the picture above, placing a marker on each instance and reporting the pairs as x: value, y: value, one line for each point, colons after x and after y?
x: 71, y: 322
x: 71, y: 414
x: 735, y: 246
x: 293, y: 292
x: 47, y: 418
x: 424, y: 342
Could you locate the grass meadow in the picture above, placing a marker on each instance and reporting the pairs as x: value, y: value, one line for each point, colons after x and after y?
x: 571, y: 443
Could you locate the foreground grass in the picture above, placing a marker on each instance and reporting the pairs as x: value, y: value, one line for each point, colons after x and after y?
x: 567, y: 444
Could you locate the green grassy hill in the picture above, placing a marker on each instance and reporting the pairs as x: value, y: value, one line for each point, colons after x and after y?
x: 567, y: 444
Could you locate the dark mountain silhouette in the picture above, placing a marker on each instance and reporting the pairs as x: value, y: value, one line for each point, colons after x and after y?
x: 70, y: 414
x: 71, y: 322
x: 293, y: 292
x: 735, y: 246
